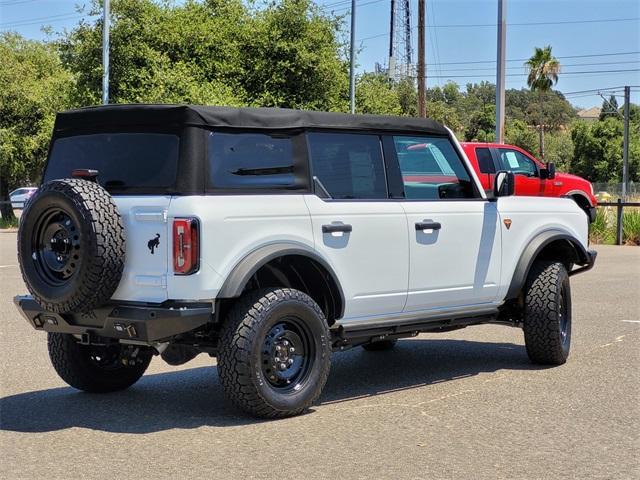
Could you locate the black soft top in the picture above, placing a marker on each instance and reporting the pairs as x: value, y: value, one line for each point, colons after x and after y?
x: 226, y: 117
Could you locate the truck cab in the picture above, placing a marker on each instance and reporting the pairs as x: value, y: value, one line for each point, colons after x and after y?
x: 533, y: 178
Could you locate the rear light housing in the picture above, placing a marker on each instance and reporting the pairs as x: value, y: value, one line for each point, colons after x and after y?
x: 186, y: 246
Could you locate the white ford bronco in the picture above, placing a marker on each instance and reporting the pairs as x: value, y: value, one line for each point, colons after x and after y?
x: 269, y: 238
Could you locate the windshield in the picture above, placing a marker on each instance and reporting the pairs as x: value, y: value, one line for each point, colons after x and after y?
x: 123, y: 160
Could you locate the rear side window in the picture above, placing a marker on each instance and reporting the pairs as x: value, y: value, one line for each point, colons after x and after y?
x: 349, y: 166
x: 485, y: 160
x: 431, y: 169
x: 250, y: 160
x: 123, y: 160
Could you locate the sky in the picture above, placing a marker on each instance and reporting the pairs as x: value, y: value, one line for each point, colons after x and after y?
x: 597, y: 39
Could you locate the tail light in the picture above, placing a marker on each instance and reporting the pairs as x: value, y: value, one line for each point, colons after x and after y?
x: 186, y: 246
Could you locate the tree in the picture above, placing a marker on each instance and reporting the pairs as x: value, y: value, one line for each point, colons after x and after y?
x: 375, y: 93
x: 33, y: 87
x: 543, y: 70
x: 519, y: 133
x: 609, y: 107
x: 217, y: 52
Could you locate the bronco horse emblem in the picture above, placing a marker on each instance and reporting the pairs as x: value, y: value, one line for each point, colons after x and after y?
x: 153, y: 243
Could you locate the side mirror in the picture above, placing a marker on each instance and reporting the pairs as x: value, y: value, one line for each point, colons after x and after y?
x: 549, y: 172
x: 504, y: 184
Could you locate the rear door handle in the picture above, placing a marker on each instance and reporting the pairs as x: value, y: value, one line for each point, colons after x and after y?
x: 428, y: 226
x: 336, y: 227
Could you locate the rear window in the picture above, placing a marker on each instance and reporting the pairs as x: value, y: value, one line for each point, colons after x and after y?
x: 123, y: 160
x: 250, y: 160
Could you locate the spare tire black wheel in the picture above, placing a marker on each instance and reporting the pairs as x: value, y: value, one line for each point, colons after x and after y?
x: 71, y: 246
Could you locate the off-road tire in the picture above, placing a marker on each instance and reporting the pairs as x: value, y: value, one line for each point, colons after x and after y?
x: 74, y: 364
x: 380, y: 345
x: 243, y: 348
x: 94, y: 258
x: 547, y: 318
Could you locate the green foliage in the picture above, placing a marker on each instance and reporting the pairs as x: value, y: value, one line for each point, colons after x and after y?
x: 218, y: 52
x: 33, y: 87
x: 517, y: 132
x: 482, y: 125
x: 603, y: 229
x: 609, y: 107
x: 543, y: 69
x: 376, y: 93
x: 598, y: 150
x: 559, y: 149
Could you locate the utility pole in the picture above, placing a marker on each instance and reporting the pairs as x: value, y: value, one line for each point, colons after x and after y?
x: 105, y: 53
x: 352, y: 54
x: 502, y: 34
x: 625, y: 144
x: 422, y: 107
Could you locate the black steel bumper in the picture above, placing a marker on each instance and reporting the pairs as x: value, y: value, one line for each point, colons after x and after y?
x: 591, y: 260
x: 142, y: 323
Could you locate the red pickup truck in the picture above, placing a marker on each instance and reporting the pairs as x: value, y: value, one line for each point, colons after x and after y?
x: 533, y: 178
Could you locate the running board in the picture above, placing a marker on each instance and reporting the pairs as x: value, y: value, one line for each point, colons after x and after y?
x: 348, y: 335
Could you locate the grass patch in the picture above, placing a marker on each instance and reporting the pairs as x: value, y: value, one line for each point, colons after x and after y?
x: 8, y: 223
x: 603, y: 229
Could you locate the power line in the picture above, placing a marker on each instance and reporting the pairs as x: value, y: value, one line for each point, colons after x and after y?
x: 525, y: 59
x: 49, y: 19
x: 525, y: 74
x: 523, y: 24
x: 520, y: 67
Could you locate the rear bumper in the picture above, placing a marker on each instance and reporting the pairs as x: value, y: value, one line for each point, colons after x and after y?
x: 591, y: 213
x: 143, y: 323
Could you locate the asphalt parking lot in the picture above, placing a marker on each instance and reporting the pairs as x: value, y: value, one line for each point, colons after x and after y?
x: 466, y: 405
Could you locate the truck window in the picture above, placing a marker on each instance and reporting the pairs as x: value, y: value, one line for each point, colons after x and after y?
x: 431, y: 169
x: 485, y: 160
x: 250, y: 160
x: 349, y: 166
x: 518, y: 163
x: 125, y: 161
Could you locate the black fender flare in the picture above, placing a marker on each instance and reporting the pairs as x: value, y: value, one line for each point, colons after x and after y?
x: 572, y: 193
x: 237, y: 279
x: 531, y: 252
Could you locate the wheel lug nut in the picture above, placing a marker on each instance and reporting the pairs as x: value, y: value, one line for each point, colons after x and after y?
x: 278, y: 347
x: 283, y: 366
x: 285, y: 343
x: 290, y: 361
x: 277, y: 359
x: 291, y: 349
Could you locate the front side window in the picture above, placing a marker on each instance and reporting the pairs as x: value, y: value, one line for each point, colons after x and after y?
x: 517, y: 163
x: 350, y: 166
x: 123, y: 160
x: 250, y: 160
x: 431, y: 169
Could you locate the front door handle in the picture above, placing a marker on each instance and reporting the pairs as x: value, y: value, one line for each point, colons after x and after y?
x: 336, y: 227
x: 428, y: 226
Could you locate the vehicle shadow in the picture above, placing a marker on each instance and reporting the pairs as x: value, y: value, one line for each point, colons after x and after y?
x: 194, y: 398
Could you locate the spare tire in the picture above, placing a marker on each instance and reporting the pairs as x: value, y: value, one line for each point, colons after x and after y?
x: 71, y: 246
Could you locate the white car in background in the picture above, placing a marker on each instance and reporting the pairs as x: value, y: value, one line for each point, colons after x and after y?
x: 20, y: 196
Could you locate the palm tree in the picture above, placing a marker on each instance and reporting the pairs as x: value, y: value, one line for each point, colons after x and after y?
x: 543, y: 74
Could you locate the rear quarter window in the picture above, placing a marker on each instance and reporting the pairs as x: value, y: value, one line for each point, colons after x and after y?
x: 250, y: 161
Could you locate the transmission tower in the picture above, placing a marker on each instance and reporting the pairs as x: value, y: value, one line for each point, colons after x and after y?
x: 400, y: 52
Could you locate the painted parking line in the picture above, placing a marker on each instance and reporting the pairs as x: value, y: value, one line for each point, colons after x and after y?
x: 7, y: 266
x: 631, y: 321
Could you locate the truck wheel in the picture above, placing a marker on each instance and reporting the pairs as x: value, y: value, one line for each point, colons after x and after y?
x: 95, y: 369
x: 547, y: 319
x: 380, y: 345
x: 275, y: 353
x: 71, y: 246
